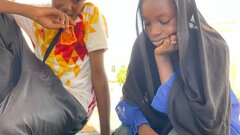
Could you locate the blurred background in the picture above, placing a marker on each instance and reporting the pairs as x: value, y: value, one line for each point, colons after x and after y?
x: 223, y: 15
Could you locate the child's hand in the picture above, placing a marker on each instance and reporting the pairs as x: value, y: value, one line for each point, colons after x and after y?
x: 145, y: 129
x: 52, y: 18
x: 168, y: 46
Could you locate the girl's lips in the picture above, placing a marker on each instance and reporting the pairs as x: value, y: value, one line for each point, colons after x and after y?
x: 159, y: 42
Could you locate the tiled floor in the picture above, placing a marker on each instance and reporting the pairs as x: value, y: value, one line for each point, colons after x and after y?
x: 88, y: 133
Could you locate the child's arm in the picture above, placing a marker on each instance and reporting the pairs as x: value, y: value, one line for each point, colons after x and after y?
x: 46, y: 16
x: 145, y: 129
x: 100, y: 85
x: 163, y: 58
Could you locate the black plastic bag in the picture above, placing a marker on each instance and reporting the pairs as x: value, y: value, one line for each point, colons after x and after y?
x: 33, y: 100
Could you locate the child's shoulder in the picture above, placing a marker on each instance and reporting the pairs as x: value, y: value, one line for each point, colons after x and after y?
x: 90, y: 8
x: 89, y: 4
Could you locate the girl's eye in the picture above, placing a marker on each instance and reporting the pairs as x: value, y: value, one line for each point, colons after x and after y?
x: 166, y: 21
x: 146, y: 23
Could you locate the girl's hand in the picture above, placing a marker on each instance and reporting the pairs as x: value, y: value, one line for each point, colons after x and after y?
x: 52, y: 18
x: 145, y: 129
x: 168, y: 46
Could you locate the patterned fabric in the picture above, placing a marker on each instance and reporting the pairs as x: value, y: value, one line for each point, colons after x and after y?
x: 69, y: 59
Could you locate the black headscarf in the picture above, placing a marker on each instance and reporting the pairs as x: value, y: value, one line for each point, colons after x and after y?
x: 199, y: 102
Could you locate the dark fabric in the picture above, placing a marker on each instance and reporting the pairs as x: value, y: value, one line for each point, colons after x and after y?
x: 199, y: 102
x: 33, y: 100
x: 143, y: 81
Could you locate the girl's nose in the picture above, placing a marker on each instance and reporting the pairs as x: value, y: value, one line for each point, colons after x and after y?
x: 155, y: 30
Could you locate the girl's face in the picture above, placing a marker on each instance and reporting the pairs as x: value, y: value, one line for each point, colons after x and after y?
x: 160, y: 19
x: 70, y: 7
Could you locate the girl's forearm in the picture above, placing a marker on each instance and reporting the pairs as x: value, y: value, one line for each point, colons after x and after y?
x: 165, y: 68
x: 17, y: 8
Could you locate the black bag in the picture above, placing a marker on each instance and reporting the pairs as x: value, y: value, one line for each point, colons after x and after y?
x: 33, y: 100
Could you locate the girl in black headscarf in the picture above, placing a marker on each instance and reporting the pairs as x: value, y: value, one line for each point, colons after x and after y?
x: 177, y: 81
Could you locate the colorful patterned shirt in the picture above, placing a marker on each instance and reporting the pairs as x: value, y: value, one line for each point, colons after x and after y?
x: 69, y: 58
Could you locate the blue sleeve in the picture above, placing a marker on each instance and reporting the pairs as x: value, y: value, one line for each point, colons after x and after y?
x: 235, y: 118
x: 160, y: 101
x: 131, y: 116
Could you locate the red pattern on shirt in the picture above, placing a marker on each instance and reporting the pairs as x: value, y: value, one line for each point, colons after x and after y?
x: 79, y: 46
